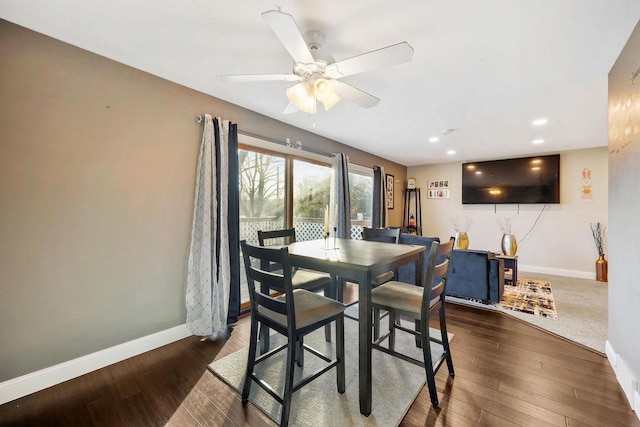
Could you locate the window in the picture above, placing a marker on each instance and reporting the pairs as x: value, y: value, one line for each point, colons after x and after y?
x: 361, y: 190
x: 311, y: 194
x: 262, y: 193
x: 268, y: 170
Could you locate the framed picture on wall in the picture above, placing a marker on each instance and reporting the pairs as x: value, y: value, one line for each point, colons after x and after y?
x: 439, y: 189
x: 389, y: 186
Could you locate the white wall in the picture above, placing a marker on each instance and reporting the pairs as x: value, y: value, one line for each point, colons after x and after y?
x: 623, y: 346
x: 560, y: 242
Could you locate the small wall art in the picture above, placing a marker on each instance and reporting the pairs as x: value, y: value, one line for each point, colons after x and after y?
x: 390, y: 182
x: 439, y: 189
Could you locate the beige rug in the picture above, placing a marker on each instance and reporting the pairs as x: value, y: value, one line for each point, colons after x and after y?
x: 530, y: 296
x: 581, y: 304
x: 396, y: 383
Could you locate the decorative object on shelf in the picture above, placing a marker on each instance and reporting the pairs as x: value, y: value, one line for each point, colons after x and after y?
x: 439, y: 189
x: 411, y: 184
x: 509, y: 243
x: 461, y: 227
x: 602, y: 266
x: 390, y: 192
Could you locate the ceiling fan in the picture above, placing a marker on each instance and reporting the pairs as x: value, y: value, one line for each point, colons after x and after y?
x: 317, y: 73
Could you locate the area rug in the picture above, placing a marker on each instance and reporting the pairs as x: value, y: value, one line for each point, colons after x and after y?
x: 530, y: 296
x: 396, y: 383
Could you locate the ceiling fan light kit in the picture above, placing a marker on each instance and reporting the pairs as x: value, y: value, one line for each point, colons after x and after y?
x: 317, y: 71
x: 304, y: 95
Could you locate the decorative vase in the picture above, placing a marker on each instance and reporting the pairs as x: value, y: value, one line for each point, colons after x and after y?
x: 462, y: 240
x: 509, y: 245
x: 602, y: 269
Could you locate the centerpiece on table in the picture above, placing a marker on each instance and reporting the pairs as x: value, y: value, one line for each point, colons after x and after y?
x: 509, y: 243
x: 461, y: 227
x: 602, y: 266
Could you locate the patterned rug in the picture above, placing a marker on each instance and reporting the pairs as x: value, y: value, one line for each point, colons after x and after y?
x: 530, y: 296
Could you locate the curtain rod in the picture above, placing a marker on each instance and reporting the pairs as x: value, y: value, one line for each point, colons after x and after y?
x: 298, y: 145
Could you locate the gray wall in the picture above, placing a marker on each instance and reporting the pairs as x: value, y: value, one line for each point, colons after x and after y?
x: 97, y: 167
x: 624, y: 205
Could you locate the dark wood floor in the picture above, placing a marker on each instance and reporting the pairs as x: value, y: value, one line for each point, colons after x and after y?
x: 507, y: 373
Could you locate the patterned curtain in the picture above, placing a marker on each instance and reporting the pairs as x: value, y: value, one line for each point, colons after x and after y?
x: 379, y: 217
x: 342, y: 197
x: 213, y: 273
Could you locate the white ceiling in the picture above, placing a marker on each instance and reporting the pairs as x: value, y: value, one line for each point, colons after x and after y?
x: 485, y: 68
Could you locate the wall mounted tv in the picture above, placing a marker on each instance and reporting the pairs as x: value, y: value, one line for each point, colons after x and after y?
x: 523, y: 180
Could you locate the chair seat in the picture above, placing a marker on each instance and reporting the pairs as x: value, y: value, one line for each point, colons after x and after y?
x: 400, y: 296
x: 382, y: 278
x: 310, y: 308
x: 309, y: 280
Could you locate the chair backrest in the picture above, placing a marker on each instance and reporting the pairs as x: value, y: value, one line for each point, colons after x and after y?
x: 436, y: 273
x: 386, y: 235
x: 254, y: 258
x: 285, y: 236
x: 275, y: 237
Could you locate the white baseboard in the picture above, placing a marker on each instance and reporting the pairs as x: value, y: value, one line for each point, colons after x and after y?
x: 625, y: 378
x: 558, y: 272
x: 30, y: 383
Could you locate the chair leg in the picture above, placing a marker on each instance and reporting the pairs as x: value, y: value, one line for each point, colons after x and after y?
x: 299, y: 346
x: 392, y: 330
x: 251, y: 358
x: 445, y: 342
x: 340, y: 353
x: 376, y: 323
x: 288, y: 382
x: 418, y: 341
x: 428, y: 367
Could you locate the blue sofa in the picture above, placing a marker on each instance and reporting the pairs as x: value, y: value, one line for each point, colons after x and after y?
x: 472, y: 274
x: 476, y: 274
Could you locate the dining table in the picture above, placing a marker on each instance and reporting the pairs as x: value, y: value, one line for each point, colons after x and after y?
x: 356, y: 261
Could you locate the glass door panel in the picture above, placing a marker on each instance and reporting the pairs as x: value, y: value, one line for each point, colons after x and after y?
x: 311, y: 196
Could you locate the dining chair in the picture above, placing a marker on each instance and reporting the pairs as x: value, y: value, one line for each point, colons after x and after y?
x: 294, y: 314
x: 301, y: 279
x: 419, y: 303
x: 385, y: 235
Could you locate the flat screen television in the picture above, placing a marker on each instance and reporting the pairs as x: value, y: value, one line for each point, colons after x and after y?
x: 524, y: 180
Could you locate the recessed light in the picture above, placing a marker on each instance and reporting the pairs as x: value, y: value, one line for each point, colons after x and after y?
x: 535, y: 168
x: 451, y: 152
x: 434, y: 139
x: 540, y: 122
x: 537, y: 141
x: 471, y: 167
x: 478, y: 172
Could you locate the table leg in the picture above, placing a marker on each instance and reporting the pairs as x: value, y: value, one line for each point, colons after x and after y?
x: 364, y: 321
x: 419, y: 263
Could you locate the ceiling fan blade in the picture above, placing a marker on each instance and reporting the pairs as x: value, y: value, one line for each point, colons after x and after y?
x: 285, y: 28
x: 390, y: 55
x: 258, y: 78
x: 355, y: 95
x: 290, y: 108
